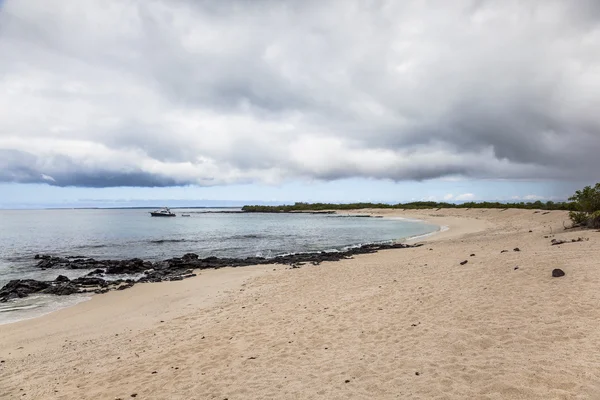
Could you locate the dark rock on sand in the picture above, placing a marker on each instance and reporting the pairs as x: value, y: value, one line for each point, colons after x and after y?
x: 557, y: 273
x: 463, y: 262
x: 516, y: 249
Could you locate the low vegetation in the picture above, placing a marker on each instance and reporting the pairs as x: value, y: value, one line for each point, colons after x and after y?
x: 583, y: 206
x: 585, y: 209
x: 537, y: 205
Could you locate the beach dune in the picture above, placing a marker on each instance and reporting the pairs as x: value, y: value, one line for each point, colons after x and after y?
x: 415, y: 323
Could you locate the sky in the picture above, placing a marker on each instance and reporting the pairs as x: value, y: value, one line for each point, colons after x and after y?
x: 107, y: 103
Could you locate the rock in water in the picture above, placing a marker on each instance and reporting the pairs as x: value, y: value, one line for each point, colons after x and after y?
x: 21, y: 288
x: 62, y: 289
x: 557, y: 273
x: 61, y: 279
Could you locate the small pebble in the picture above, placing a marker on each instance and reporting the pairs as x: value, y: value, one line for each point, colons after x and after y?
x: 347, y: 381
x: 417, y: 374
x: 557, y: 273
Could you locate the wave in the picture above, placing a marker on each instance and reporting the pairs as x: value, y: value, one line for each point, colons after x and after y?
x: 96, y: 246
x: 161, y: 241
x: 249, y: 236
x: 19, y: 308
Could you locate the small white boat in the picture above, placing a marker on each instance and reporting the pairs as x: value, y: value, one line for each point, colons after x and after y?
x: 163, y: 212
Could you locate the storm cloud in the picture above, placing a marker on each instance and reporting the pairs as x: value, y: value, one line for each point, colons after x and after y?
x: 165, y: 93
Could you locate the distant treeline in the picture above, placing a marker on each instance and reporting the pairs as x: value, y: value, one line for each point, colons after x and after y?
x: 537, y: 205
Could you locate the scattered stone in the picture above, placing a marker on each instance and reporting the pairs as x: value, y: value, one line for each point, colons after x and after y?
x: 530, y: 231
x: 516, y: 268
x: 557, y: 273
x: 347, y: 381
x: 472, y: 255
x: 154, y: 372
x: 463, y: 262
x: 516, y: 249
x: 417, y: 373
x: 133, y: 394
x: 504, y: 251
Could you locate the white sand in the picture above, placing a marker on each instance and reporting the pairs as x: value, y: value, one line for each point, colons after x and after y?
x: 479, y: 331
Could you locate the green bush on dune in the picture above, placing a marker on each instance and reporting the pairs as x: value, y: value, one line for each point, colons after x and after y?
x: 586, y: 206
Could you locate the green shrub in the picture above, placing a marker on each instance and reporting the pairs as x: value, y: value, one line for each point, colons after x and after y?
x: 594, y: 220
x: 578, y: 217
x: 586, y: 206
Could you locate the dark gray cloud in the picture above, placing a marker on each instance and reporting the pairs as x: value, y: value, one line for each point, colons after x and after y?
x: 18, y: 166
x: 160, y: 93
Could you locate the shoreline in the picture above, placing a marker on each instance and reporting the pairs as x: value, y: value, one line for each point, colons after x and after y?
x: 480, y: 330
x: 185, y: 271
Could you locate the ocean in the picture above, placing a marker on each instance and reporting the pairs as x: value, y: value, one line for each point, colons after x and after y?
x: 129, y: 233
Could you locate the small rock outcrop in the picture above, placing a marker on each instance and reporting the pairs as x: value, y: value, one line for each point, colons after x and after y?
x: 21, y: 288
x: 62, y: 279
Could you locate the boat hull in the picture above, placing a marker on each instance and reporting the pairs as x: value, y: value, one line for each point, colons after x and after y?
x: 153, y: 214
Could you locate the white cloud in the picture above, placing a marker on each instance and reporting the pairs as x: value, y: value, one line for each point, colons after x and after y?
x: 48, y: 178
x: 465, y: 197
x: 156, y: 92
x: 533, y: 197
x: 449, y: 196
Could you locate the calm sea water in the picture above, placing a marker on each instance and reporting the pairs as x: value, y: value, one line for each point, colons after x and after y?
x: 128, y: 233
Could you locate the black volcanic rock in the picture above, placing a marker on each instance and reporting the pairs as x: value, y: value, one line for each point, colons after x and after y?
x: 62, y: 279
x: 21, y: 288
x: 133, y: 266
x: 557, y: 273
x: 89, y: 281
x: 172, y: 269
x: 62, y: 289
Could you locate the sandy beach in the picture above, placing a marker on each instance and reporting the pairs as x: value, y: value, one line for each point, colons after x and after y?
x: 399, y: 324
